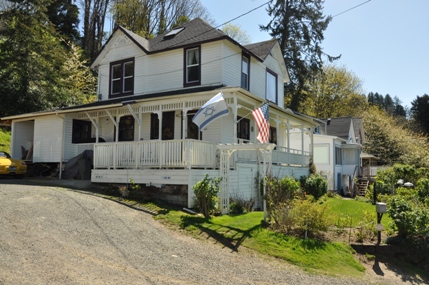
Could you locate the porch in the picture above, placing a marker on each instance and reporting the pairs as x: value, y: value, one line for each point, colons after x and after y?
x: 181, y: 154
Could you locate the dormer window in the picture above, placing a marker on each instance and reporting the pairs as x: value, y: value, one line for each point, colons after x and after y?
x: 245, y: 71
x: 192, y: 66
x: 122, y: 78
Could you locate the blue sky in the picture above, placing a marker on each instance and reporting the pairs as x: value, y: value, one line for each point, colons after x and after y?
x: 383, y: 42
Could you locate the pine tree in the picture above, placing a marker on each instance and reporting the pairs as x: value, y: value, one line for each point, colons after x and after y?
x: 299, y: 26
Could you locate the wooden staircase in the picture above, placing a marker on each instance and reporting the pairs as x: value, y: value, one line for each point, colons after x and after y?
x: 362, y: 187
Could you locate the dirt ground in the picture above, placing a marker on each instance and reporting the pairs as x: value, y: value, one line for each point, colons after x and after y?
x: 53, y: 235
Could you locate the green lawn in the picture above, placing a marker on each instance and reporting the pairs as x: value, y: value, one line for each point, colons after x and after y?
x: 4, y: 141
x: 235, y: 231
x: 352, y: 211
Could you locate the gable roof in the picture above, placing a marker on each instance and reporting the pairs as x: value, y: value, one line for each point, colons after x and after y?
x: 194, y: 32
x: 261, y: 49
x: 339, y: 127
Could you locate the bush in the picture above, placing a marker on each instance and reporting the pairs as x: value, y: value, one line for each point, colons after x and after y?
x: 308, y: 216
x: 316, y: 185
x: 206, y: 192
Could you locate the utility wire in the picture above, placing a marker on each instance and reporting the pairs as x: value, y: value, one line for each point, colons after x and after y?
x: 351, y: 8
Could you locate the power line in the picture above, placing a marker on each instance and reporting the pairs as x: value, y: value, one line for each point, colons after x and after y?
x: 351, y: 8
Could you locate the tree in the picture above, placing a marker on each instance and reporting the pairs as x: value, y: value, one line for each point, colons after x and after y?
x: 37, y: 71
x: 391, y: 142
x: 420, y: 111
x: 153, y: 17
x: 31, y: 59
x: 235, y: 32
x: 299, y: 26
x: 94, y: 16
x: 78, y: 84
x: 64, y: 15
x: 334, y: 92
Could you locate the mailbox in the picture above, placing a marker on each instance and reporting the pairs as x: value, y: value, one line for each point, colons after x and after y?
x: 381, y: 207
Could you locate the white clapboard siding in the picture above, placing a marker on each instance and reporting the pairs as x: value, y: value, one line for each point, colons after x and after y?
x: 231, y: 64
x: 257, y: 78
x: 211, y: 63
x: 48, y: 132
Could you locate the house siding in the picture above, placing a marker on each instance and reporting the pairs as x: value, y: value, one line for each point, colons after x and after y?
x: 48, y: 132
x: 231, y: 58
x: 211, y: 63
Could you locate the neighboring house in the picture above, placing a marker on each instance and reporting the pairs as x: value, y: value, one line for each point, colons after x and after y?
x: 337, y: 150
x: 149, y: 90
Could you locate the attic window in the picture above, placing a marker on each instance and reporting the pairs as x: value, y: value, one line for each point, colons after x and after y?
x: 174, y: 32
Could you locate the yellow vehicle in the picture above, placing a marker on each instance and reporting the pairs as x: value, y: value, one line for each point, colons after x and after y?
x: 10, y: 166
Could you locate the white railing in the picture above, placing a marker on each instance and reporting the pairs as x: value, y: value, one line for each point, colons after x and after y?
x: 370, y: 171
x: 151, y: 154
x: 280, y: 156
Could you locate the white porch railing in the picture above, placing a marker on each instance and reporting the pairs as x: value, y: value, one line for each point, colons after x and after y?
x: 370, y: 171
x: 150, y: 154
x: 280, y: 156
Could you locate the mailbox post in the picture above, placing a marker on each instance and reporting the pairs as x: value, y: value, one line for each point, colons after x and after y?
x: 380, y: 209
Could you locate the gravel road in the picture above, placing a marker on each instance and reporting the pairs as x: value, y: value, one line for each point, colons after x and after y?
x: 54, y: 235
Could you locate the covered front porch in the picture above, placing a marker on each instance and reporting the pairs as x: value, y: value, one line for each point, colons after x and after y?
x: 182, y: 154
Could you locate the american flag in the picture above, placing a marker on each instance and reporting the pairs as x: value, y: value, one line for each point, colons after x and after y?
x: 262, y: 119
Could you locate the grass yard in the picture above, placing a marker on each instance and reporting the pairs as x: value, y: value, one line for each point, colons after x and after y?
x: 352, y: 212
x: 4, y: 141
x: 234, y: 231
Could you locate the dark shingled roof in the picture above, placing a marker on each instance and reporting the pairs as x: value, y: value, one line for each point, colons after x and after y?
x: 195, y: 32
x: 339, y: 127
x: 261, y: 49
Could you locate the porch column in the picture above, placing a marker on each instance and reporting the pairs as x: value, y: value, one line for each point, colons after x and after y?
x: 302, y: 145
x: 235, y: 113
x: 185, y: 122
x: 288, y: 141
x: 95, y: 125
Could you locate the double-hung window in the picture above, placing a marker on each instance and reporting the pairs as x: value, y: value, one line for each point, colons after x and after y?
x: 122, y: 78
x: 271, y: 86
x: 192, y: 66
x: 245, y: 71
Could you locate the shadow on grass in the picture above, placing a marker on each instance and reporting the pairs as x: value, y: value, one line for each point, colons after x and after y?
x: 229, y: 237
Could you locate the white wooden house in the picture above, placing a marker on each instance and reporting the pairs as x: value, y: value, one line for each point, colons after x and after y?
x: 337, y: 150
x: 149, y: 90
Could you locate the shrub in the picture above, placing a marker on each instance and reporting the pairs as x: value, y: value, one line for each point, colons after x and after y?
x: 403, y: 215
x: 206, y: 192
x: 316, y: 185
x: 308, y: 216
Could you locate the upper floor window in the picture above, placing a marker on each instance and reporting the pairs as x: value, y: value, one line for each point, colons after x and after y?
x: 122, y: 78
x: 271, y: 86
x: 245, y: 71
x: 192, y: 66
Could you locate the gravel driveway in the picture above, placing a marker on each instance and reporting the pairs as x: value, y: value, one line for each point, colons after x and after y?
x: 54, y: 235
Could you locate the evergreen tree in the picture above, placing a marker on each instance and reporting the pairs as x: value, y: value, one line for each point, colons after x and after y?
x: 64, y: 15
x: 299, y: 26
x: 37, y: 71
x: 420, y: 111
x: 31, y: 59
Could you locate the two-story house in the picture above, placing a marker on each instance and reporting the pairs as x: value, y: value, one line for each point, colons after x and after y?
x: 337, y: 152
x: 149, y: 90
